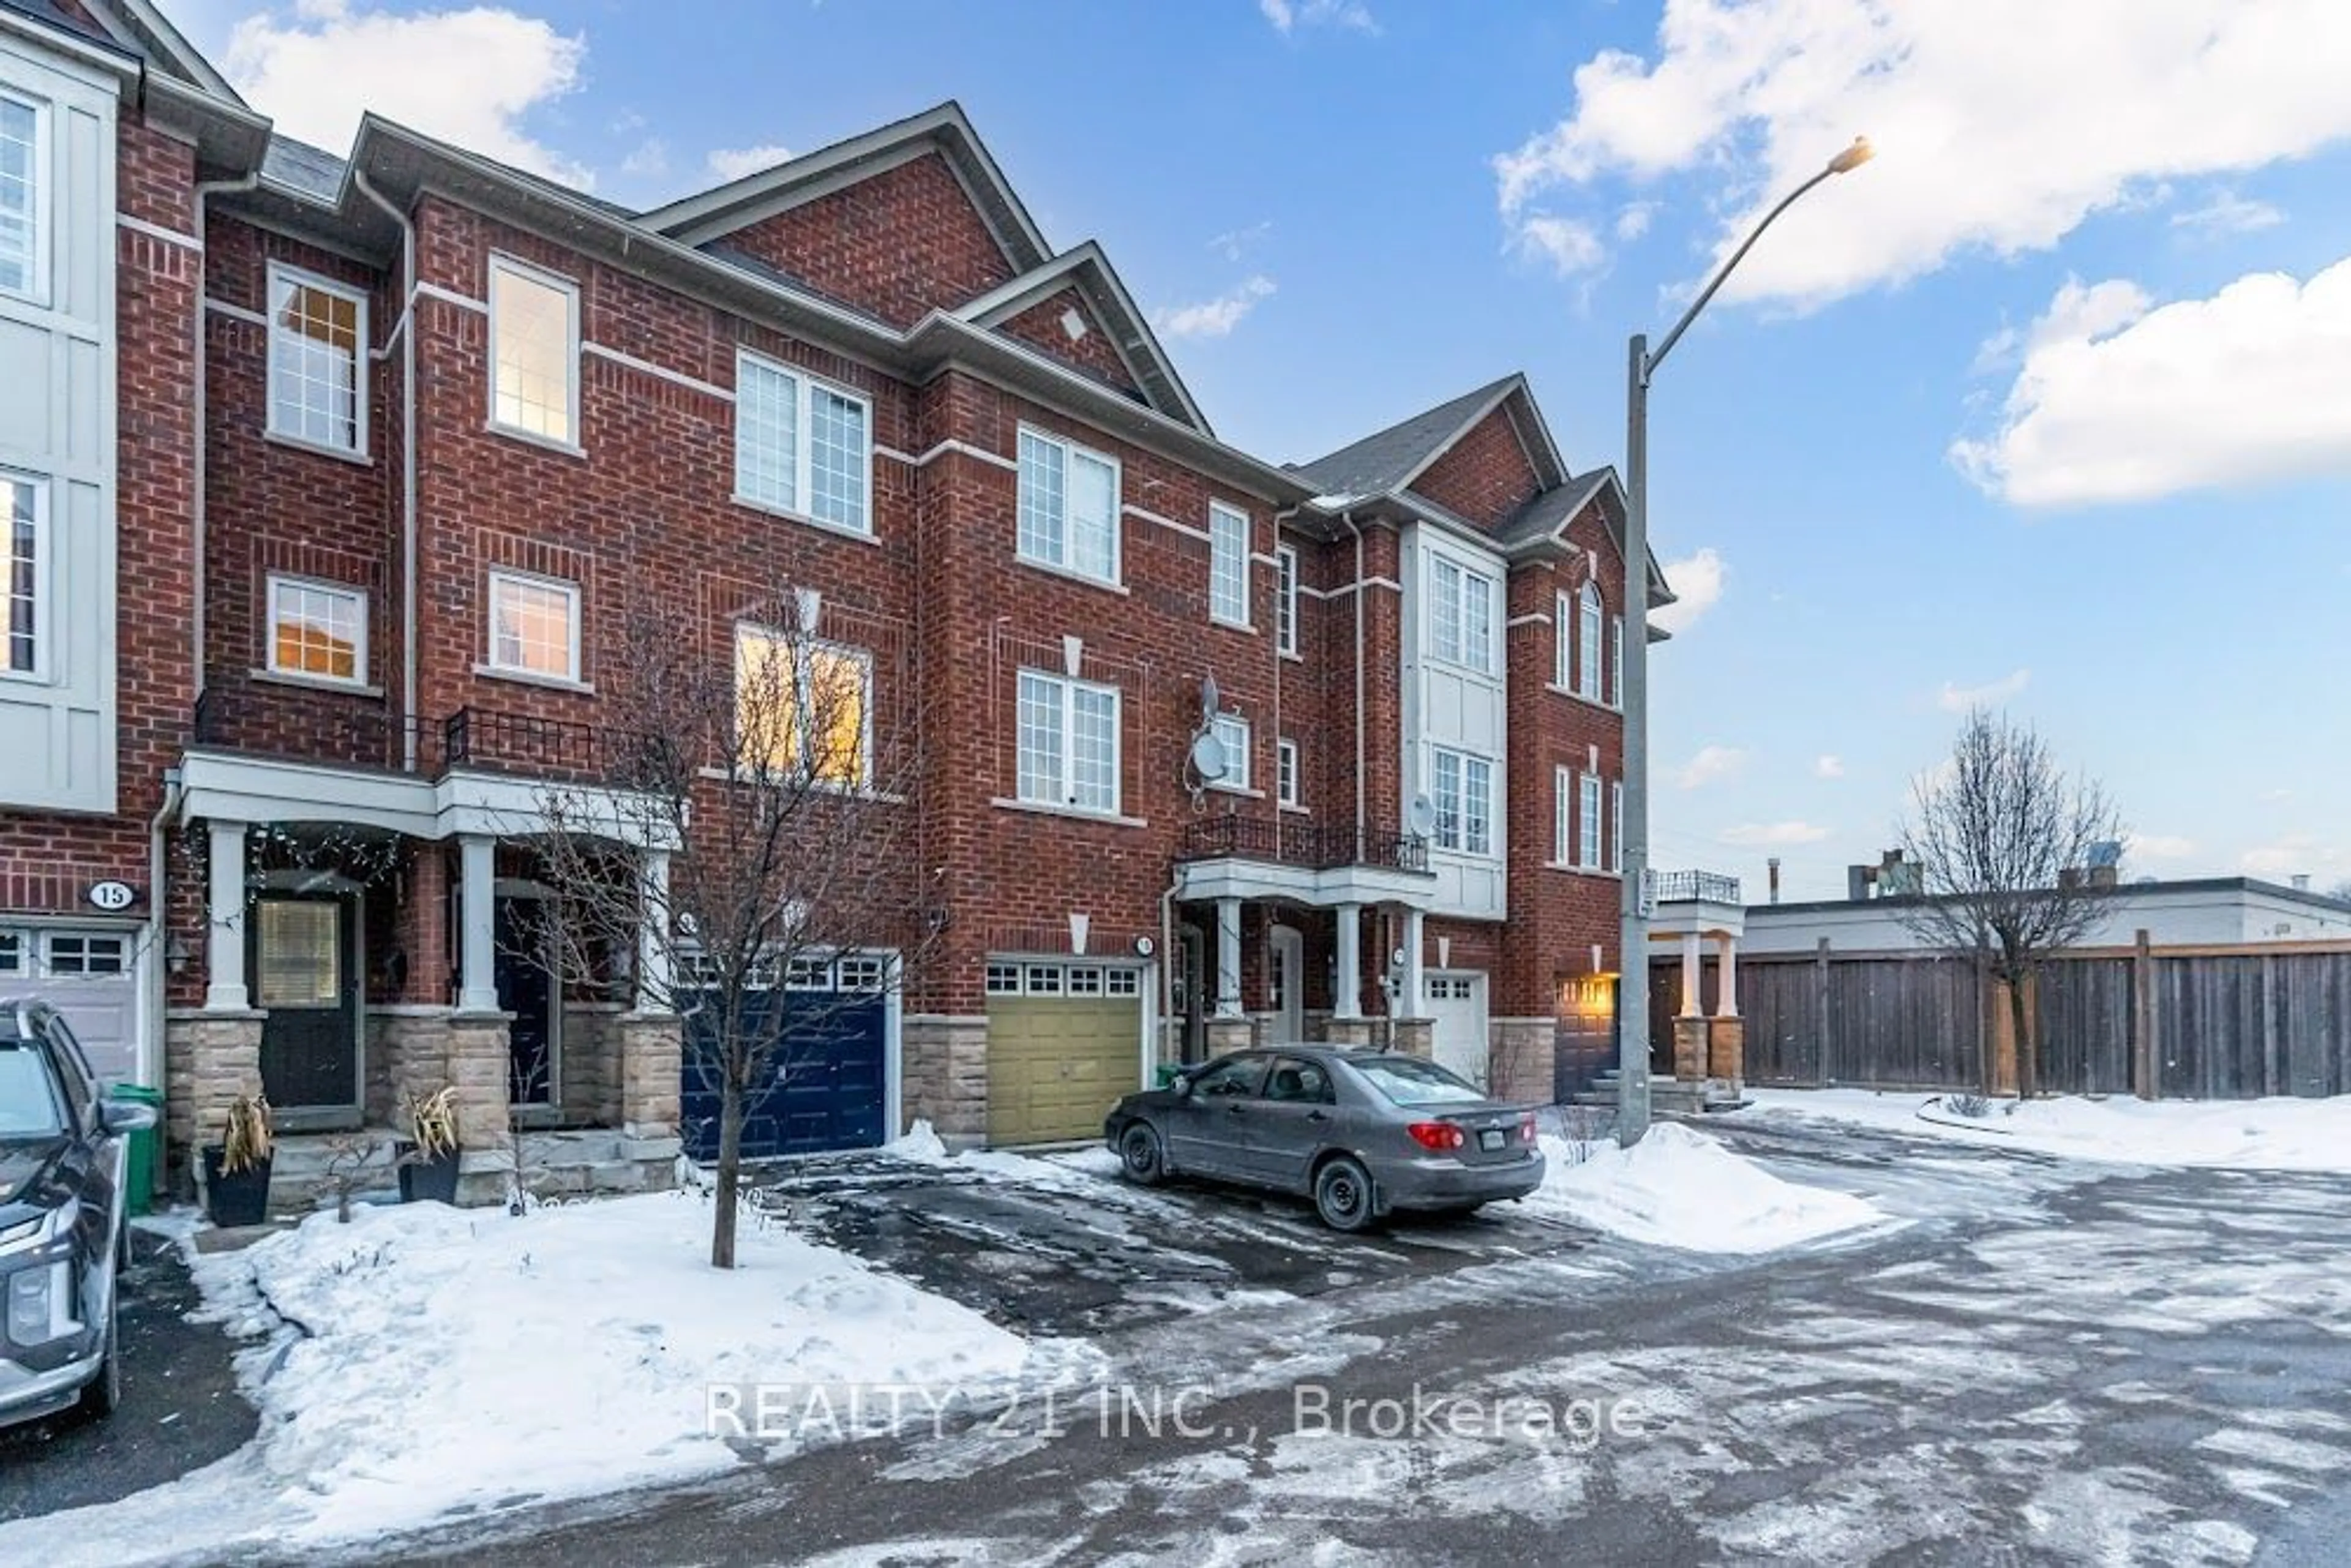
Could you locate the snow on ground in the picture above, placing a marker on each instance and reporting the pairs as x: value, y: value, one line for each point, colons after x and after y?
x: 2235, y: 1135
x: 1680, y: 1188
x: 921, y: 1145
x: 423, y: 1358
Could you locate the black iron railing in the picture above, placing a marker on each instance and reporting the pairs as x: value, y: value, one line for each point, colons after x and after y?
x: 490, y: 740
x: 1696, y: 887
x: 295, y: 724
x: 1317, y: 846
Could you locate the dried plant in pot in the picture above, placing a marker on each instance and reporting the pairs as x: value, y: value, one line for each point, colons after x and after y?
x: 427, y: 1159
x: 237, y: 1169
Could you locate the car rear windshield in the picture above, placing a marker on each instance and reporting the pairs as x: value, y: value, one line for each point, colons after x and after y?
x: 28, y: 1100
x: 1408, y: 1080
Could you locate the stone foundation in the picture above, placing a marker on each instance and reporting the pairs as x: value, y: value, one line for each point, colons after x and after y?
x: 588, y: 1067
x: 945, y: 1076
x: 1690, y: 1052
x: 1351, y: 1032
x: 652, y: 1066
x: 1413, y: 1037
x: 1727, y: 1053
x: 1520, y: 1057
x: 1229, y: 1035
x: 209, y: 1059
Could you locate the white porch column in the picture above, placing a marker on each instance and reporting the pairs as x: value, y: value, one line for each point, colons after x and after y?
x: 224, y: 990
x: 477, y: 985
x: 1228, y: 958
x: 1726, y: 1005
x: 1347, y: 977
x: 1693, y: 968
x: 652, y: 936
x: 1414, y: 999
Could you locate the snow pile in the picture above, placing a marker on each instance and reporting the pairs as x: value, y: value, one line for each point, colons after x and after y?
x: 2236, y: 1135
x: 1680, y: 1188
x: 921, y: 1145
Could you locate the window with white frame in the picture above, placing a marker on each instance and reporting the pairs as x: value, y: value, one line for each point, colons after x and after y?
x: 1068, y: 507
x: 317, y: 631
x: 534, y: 626
x: 1562, y: 809
x: 24, y: 196
x: 24, y: 538
x: 318, y: 347
x: 1285, y: 598
x: 1587, y: 822
x: 533, y: 353
x: 12, y: 953
x: 1068, y: 742
x: 1229, y: 552
x: 1460, y: 614
x: 1616, y: 660
x: 1232, y: 732
x: 802, y: 707
x: 1285, y: 769
x: 71, y: 957
x: 1463, y: 792
x: 803, y: 446
x: 1616, y: 826
x: 1563, y: 650
x: 1587, y: 643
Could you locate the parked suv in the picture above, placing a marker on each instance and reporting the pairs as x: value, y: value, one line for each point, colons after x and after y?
x: 62, y: 1237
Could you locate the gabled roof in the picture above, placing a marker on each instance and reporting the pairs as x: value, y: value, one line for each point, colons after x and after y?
x: 946, y: 130
x: 1388, y: 461
x: 1088, y: 271
x: 162, y: 43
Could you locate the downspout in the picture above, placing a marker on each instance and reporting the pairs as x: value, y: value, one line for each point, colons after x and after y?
x: 151, y: 1054
x: 206, y: 191
x: 404, y: 329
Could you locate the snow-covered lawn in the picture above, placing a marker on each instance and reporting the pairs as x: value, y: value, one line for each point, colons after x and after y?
x: 424, y: 1358
x: 1678, y: 1187
x: 2238, y: 1135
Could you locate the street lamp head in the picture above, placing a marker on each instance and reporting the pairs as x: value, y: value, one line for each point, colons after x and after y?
x: 1853, y: 157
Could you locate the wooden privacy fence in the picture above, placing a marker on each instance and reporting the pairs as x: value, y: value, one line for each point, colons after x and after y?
x: 2214, y: 1023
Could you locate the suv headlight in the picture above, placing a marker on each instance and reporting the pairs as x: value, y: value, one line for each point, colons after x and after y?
x: 41, y: 1303
x: 42, y: 1229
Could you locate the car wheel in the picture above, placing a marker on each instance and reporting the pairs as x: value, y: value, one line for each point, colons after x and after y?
x: 1343, y: 1195
x: 103, y: 1394
x: 1140, y: 1158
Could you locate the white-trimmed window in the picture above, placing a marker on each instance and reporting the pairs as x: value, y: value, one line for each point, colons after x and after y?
x: 24, y: 197
x: 1587, y: 821
x: 1460, y: 615
x: 318, y: 358
x: 803, y: 706
x: 1589, y: 620
x: 1562, y: 810
x: 1068, y: 742
x: 1616, y: 826
x: 533, y: 353
x: 1004, y: 979
x: 534, y: 626
x: 12, y: 953
x: 1616, y: 660
x: 317, y: 631
x: 1232, y: 732
x: 24, y: 573
x: 1285, y: 598
x: 1463, y: 791
x: 1068, y: 507
x: 77, y: 955
x: 1562, y: 650
x: 803, y: 446
x: 1285, y: 761
x: 1228, y: 564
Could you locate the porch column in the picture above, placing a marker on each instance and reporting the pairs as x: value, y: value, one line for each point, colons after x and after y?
x: 224, y: 990
x: 1693, y: 969
x: 1228, y: 958
x: 1347, y: 981
x: 478, y: 984
x: 1413, y: 990
x: 1726, y: 1003
x: 653, y: 936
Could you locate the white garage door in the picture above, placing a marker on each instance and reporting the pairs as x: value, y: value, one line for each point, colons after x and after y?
x: 86, y: 976
x: 1457, y: 1005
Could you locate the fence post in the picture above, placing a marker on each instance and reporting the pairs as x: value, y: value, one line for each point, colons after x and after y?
x: 2270, y: 1067
x: 2146, y: 1082
x: 1821, y: 1011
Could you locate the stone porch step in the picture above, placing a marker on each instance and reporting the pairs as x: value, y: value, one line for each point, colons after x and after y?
x: 568, y: 1163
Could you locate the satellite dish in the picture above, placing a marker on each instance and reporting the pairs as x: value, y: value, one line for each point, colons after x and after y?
x: 1421, y: 816
x: 1212, y: 701
x: 1209, y: 758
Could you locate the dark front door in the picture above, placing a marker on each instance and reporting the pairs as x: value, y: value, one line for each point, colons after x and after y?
x: 1586, y: 1037
x: 526, y: 989
x: 306, y: 977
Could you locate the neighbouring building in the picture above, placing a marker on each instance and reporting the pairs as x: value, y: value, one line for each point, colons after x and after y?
x: 330, y: 474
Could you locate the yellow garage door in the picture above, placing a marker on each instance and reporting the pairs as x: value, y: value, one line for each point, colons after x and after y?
x: 1056, y: 1063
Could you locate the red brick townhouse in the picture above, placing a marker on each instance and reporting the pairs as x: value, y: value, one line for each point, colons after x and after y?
x: 329, y: 474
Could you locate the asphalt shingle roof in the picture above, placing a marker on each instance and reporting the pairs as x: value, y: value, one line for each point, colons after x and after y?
x: 1382, y: 461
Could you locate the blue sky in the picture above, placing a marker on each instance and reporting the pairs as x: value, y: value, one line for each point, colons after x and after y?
x: 2051, y: 403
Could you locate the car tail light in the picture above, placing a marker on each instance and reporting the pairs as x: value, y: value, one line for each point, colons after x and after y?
x: 1527, y: 1128
x: 1437, y: 1137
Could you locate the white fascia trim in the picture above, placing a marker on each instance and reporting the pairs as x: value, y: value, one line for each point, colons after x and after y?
x: 646, y: 367
x: 1130, y: 509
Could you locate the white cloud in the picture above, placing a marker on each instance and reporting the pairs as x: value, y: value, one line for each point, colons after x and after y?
x: 2229, y: 213
x: 1570, y: 246
x: 734, y: 163
x: 1287, y: 15
x: 1235, y: 243
x: 2127, y: 405
x: 1632, y: 221
x: 2293, y: 855
x: 1829, y: 765
x: 1956, y: 698
x: 1772, y: 835
x: 2161, y: 846
x: 1697, y: 580
x: 468, y: 76
x: 1214, y: 318
x: 648, y: 160
x: 1991, y: 144
x: 1711, y: 763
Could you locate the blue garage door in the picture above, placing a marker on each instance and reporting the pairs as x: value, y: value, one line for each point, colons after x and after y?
x: 826, y: 1085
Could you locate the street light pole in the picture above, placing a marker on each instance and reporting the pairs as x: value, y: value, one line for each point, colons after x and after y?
x: 1633, y: 937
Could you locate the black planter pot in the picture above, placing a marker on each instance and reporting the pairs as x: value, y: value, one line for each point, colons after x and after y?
x: 426, y: 1181
x: 241, y: 1198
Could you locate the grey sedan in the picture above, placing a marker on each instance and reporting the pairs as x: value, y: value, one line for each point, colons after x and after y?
x: 1363, y: 1133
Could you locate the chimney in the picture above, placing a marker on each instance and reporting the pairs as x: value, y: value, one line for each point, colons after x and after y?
x: 1775, y: 879
x: 2102, y: 876
x: 2300, y: 881
x: 1857, y: 879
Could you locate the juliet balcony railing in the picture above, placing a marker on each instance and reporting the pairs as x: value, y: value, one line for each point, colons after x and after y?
x: 1313, y: 845
x: 1696, y: 887
x: 294, y: 725
x: 490, y: 740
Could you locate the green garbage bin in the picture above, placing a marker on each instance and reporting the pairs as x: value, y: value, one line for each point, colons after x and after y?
x: 1166, y: 1074
x: 139, y: 1170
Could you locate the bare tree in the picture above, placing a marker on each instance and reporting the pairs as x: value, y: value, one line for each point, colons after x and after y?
x: 2341, y: 891
x: 2003, y: 838
x: 770, y: 742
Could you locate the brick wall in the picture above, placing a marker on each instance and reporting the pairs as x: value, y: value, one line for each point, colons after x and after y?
x: 1041, y: 327
x: 1486, y: 477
